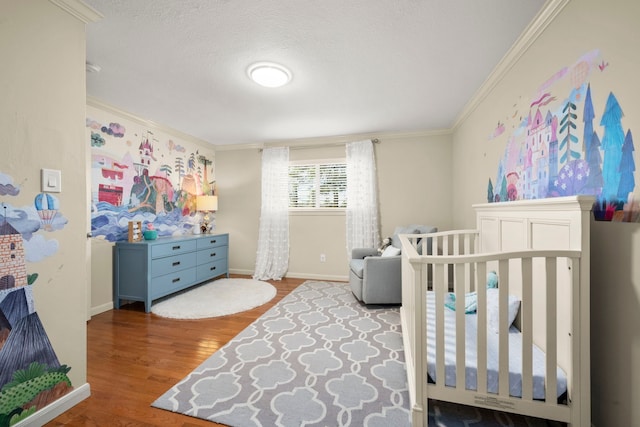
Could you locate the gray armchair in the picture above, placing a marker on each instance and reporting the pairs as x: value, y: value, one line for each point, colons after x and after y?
x: 376, y: 279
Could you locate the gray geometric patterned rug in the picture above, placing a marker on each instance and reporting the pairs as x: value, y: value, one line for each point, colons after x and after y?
x: 317, y: 358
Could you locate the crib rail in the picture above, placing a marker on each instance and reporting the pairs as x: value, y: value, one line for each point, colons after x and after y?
x: 450, y: 264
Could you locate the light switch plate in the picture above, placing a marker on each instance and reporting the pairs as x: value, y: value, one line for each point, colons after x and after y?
x: 51, y: 181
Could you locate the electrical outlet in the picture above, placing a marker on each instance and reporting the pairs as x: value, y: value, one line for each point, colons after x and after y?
x: 323, y: 257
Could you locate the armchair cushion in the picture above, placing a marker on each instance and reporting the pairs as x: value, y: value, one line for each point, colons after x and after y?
x: 412, y: 229
x: 425, y: 229
x: 360, y: 253
x: 395, y: 240
x: 391, y: 251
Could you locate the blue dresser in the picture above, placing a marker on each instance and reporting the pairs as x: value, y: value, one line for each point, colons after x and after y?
x: 151, y: 269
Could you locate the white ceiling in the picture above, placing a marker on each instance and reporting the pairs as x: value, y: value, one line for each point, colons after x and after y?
x: 359, y: 66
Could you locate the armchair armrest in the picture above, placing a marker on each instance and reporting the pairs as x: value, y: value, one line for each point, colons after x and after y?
x: 382, y: 280
x: 360, y: 253
x: 384, y: 268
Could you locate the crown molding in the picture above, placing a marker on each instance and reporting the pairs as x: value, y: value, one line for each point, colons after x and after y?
x: 96, y: 103
x: 324, y: 141
x: 79, y: 9
x: 343, y: 139
x: 547, y: 14
x: 232, y: 147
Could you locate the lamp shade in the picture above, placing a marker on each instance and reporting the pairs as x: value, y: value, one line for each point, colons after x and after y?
x: 207, y: 203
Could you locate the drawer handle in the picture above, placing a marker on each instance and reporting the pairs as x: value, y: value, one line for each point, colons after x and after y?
x: 212, y: 268
x: 212, y: 254
x: 176, y: 263
x: 212, y: 241
x: 176, y: 280
x: 175, y: 247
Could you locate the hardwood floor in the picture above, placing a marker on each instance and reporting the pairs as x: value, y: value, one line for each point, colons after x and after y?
x: 133, y: 357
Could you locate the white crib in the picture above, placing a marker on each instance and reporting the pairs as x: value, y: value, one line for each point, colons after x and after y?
x: 540, y: 251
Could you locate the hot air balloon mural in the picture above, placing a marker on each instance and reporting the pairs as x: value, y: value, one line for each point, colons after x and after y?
x: 47, y: 207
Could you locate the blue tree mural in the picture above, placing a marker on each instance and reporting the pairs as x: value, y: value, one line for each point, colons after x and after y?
x: 612, y: 146
x: 594, y: 182
x: 588, y: 115
x: 627, y: 168
x: 503, y: 190
x: 490, y: 192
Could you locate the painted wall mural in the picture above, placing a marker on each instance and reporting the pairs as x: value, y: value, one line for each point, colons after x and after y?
x: 138, y: 174
x: 562, y: 144
x: 31, y: 376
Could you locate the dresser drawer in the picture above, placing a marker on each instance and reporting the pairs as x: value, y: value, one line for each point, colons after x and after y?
x: 169, y: 283
x: 213, y: 241
x: 173, y: 248
x: 212, y: 254
x: 212, y: 269
x: 151, y: 269
x: 162, y: 266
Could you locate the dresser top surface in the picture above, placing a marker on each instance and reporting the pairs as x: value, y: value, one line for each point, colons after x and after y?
x: 171, y: 239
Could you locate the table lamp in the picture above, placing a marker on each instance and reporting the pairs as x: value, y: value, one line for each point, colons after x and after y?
x: 206, y: 204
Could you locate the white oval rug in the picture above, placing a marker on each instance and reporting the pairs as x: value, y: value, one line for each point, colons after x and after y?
x: 216, y: 298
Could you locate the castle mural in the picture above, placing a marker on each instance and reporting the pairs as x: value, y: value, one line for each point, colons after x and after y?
x: 555, y: 147
x: 138, y: 174
x: 31, y: 376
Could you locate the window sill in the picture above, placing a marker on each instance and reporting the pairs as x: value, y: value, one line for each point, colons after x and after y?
x: 317, y: 212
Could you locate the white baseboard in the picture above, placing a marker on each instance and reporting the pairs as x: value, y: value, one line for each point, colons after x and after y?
x: 326, y: 277
x: 294, y: 275
x: 241, y: 271
x: 102, y: 308
x: 56, y: 408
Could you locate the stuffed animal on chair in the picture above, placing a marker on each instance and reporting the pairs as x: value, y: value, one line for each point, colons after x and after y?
x: 385, y: 243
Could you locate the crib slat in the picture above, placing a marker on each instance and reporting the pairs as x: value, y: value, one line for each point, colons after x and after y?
x: 467, y: 244
x: 503, y: 328
x: 481, y: 268
x: 551, y: 353
x: 459, y: 275
x: 526, y: 326
x: 435, y: 244
x: 582, y: 408
x: 468, y: 278
x: 420, y: 359
x: 439, y: 286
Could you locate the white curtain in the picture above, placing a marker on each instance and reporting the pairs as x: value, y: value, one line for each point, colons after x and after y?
x: 363, y: 229
x: 272, y: 259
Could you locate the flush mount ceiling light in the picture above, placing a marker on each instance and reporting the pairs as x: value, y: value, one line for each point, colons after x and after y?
x: 268, y: 74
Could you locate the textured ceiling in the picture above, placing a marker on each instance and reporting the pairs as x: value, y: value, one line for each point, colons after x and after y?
x: 359, y: 66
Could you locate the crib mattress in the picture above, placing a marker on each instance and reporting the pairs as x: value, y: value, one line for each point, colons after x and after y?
x: 471, y: 350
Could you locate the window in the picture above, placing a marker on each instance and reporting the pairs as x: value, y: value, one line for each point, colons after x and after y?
x: 318, y: 185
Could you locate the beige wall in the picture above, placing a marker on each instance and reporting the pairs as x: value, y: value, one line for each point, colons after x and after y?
x: 583, y: 25
x: 401, y: 162
x: 42, y: 110
x: 238, y: 180
x: 615, y: 321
